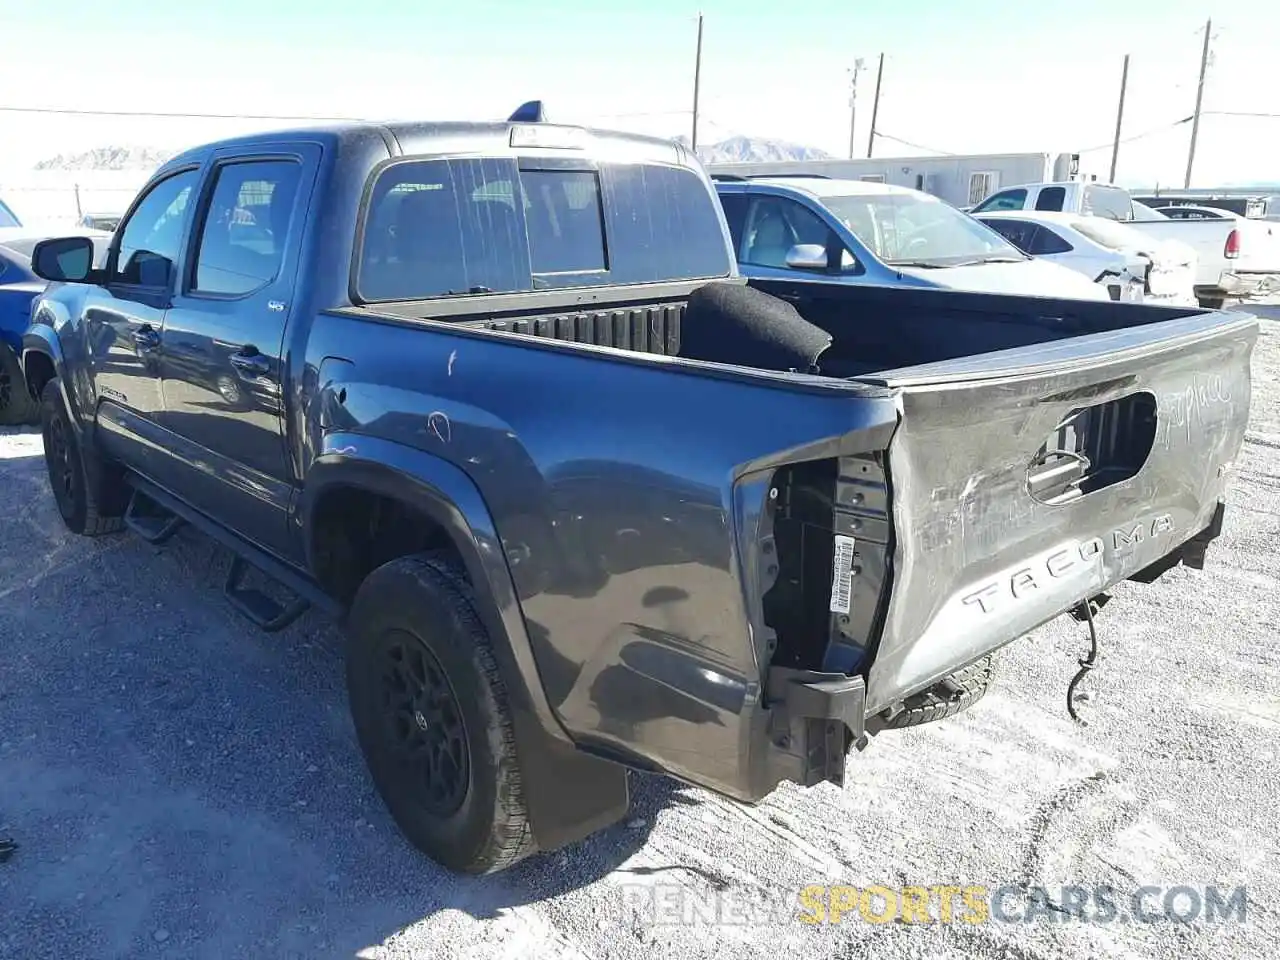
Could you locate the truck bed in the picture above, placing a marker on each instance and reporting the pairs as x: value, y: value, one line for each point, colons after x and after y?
x: 875, y: 330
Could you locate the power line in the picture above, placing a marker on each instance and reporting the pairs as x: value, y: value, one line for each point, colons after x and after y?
x: 917, y: 146
x: 1239, y: 113
x: 1137, y: 136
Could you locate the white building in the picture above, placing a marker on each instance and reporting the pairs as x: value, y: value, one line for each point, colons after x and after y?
x: 960, y: 180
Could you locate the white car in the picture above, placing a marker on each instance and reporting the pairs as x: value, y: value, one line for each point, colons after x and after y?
x: 1131, y: 265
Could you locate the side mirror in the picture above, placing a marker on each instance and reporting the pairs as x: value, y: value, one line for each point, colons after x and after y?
x: 807, y: 256
x: 153, y: 270
x: 64, y: 259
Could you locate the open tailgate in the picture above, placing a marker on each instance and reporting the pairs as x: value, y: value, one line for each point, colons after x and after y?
x: 1026, y: 480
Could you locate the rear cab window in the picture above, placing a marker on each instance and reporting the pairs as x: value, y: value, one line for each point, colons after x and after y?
x: 477, y: 225
x: 1110, y: 202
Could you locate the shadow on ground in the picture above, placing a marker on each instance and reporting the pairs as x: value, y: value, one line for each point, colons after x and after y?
x: 181, y: 784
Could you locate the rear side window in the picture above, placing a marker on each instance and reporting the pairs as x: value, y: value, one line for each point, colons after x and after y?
x: 246, y: 226
x: 563, y: 216
x: 7, y: 218
x: 435, y: 228
x: 1051, y: 198
x: 1047, y: 242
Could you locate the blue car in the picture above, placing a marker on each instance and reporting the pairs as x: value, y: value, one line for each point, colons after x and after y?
x: 854, y: 231
x: 18, y: 288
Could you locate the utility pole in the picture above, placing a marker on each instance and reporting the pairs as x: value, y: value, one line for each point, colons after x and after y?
x: 853, y: 102
x: 875, y: 108
x: 697, y: 81
x: 1195, y: 119
x: 1115, y: 146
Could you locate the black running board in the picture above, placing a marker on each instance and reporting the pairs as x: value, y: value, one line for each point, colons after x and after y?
x: 152, y: 522
x: 267, y: 612
x: 157, y: 510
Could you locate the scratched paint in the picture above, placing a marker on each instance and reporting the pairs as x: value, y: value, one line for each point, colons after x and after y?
x: 439, y: 425
x: 1185, y: 412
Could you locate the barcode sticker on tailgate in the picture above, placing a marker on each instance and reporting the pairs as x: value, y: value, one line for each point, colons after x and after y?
x: 842, y: 575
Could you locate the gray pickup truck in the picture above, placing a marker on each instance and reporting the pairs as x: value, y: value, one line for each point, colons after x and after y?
x: 584, y: 499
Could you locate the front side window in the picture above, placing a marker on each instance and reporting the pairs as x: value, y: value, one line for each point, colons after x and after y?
x: 1005, y: 200
x: 775, y: 226
x: 246, y: 226
x: 151, y: 237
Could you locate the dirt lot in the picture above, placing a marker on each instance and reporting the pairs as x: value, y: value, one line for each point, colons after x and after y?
x: 181, y: 785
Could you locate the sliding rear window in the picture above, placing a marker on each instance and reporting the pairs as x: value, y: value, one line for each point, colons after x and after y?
x: 438, y: 228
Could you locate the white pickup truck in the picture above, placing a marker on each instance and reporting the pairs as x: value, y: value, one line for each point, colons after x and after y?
x: 1238, y: 257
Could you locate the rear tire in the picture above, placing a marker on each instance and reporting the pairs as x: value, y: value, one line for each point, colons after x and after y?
x: 16, y: 403
x: 89, y: 496
x: 431, y: 714
x: 946, y: 698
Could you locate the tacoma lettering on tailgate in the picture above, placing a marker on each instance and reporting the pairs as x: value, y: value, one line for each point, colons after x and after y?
x: 1056, y: 565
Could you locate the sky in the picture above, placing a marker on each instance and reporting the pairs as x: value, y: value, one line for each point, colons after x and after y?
x: 965, y: 76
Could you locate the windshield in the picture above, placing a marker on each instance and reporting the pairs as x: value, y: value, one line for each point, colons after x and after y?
x: 1109, y: 233
x: 916, y: 229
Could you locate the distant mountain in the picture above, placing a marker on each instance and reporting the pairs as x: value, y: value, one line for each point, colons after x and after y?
x: 108, y: 158
x: 754, y: 149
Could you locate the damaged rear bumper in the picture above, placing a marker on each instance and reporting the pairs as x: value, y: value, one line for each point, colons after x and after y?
x: 805, y: 734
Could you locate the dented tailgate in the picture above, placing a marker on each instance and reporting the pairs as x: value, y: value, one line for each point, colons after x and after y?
x: 1025, y: 480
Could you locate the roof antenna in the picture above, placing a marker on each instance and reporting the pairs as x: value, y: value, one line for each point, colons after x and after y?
x: 530, y: 112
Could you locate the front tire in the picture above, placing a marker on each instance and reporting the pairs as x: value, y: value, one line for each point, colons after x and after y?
x: 90, y: 503
x: 431, y: 714
x: 16, y: 403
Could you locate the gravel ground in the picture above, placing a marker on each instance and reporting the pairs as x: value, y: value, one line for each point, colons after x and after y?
x: 181, y: 785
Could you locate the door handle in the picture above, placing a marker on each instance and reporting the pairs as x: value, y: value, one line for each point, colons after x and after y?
x: 251, y: 363
x: 146, y: 338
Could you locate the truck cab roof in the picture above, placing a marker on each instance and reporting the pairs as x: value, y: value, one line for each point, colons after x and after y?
x: 412, y: 138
